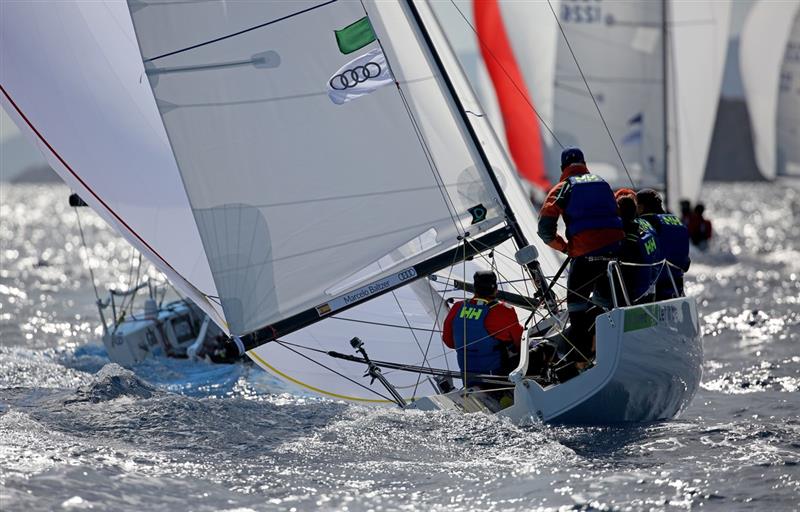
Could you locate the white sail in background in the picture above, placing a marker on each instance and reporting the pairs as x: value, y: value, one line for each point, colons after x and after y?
x: 73, y: 82
x: 698, y: 36
x: 619, y: 46
x: 789, y: 105
x: 762, y: 51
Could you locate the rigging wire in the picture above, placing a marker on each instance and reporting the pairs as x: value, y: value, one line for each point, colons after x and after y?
x: 86, y: 251
x: 283, y: 344
x: 505, y: 72
x: 588, y: 88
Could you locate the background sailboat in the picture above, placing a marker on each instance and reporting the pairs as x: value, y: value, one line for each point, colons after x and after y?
x: 659, y: 102
x: 771, y: 78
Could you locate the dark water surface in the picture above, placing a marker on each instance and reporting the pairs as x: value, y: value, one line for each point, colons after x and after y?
x: 77, y: 433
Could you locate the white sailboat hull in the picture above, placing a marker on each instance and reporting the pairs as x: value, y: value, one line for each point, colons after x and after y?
x: 648, y: 368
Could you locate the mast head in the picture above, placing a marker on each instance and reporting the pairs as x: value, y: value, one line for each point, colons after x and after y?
x: 571, y: 156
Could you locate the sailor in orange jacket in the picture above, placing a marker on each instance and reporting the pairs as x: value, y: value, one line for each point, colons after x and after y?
x: 594, y: 231
x: 482, y: 330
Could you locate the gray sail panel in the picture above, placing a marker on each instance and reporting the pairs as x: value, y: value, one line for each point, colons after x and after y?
x: 296, y: 196
x: 619, y: 46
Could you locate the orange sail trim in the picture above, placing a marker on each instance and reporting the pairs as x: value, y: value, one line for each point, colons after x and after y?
x: 519, y: 119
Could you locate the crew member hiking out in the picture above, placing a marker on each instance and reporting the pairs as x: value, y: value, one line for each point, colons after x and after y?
x: 593, y: 235
x: 673, y: 240
x: 640, y: 250
x: 483, y: 331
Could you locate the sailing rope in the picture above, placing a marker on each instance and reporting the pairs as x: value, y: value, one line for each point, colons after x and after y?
x: 86, y: 255
x: 594, y: 99
x: 505, y: 72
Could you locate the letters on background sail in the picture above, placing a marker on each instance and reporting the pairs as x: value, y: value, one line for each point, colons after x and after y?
x: 762, y: 47
x: 295, y: 197
x: 72, y: 82
x: 619, y: 46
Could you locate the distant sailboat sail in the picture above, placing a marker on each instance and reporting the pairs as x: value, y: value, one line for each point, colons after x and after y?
x: 789, y: 105
x: 660, y: 106
x: 764, y: 42
x: 698, y: 36
x: 519, y: 119
x: 78, y: 61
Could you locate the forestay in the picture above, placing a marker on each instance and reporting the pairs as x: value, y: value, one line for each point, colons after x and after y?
x: 763, y: 46
x: 72, y: 80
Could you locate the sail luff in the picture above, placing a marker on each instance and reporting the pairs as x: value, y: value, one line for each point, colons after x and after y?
x: 519, y: 236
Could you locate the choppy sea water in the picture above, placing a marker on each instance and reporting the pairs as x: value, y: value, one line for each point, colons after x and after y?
x: 78, y: 433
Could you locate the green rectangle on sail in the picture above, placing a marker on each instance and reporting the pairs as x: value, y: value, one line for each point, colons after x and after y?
x: 640, y: 318
x: 355, y: 36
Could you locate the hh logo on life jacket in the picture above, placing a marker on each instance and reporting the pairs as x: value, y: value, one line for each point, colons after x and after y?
x: 470, y: 313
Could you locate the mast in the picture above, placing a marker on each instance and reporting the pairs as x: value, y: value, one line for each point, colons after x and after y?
x: 665, y: 75
x: 518, y: 235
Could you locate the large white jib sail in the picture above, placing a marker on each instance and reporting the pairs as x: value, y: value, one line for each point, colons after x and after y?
x: 309, y: 198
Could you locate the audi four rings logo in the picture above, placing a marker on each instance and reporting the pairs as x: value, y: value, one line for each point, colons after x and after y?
x: 352, y: 77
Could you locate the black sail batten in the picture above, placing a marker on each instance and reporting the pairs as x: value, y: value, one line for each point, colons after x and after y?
x: 463, y: 251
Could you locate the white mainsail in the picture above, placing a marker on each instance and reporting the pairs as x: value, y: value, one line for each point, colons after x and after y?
x: 763, y: 44
x: 73, y: 83
x: 282, y: 181
x: 305, y: 206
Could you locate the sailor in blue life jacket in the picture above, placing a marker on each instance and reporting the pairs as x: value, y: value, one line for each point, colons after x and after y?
x: 673, y: 240
x: 593, y: 231
x: 640, y: 249
x: 483, y: 331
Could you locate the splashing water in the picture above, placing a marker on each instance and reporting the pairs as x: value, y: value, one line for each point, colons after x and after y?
x: 77, y: 432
